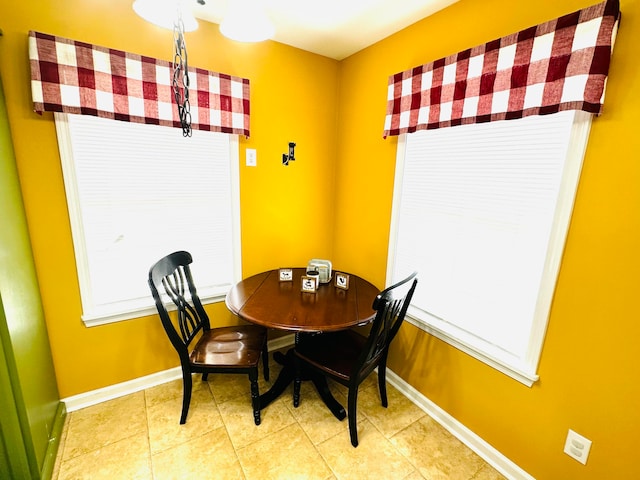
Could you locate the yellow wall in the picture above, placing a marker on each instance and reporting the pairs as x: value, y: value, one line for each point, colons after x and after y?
x: 293, y: 98
x: 588, y: 375
x: 587, y: 383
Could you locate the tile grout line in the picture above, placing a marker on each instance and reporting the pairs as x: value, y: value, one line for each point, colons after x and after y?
x: 226, y: 429
x: 146, y: 419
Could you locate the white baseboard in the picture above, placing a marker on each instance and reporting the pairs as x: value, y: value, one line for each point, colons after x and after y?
x: 489, y: 454
x: 76, y: 402
x: 282, y: 342
x: 493, y: 457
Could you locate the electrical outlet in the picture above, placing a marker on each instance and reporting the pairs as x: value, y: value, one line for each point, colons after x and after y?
x: 577, y: 447
x: 251, y: 157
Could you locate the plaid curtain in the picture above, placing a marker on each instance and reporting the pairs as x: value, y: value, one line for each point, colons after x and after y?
x: 75, y: 77
x: 558, y: 65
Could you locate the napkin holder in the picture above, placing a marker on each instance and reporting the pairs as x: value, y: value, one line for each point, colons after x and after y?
x: 323, y: 267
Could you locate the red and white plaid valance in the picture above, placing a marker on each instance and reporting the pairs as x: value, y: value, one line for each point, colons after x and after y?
x: 76, y: 77
x: 558, y: 65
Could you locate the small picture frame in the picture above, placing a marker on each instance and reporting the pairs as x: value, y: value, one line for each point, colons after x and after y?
x: 342, y: 281
x: 309, y: 284
x: 285, y: 275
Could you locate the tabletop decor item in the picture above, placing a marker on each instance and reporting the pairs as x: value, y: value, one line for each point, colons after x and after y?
x: 322, y: 266
x: 285, y: 274
x: 309, y: 283
x: 342, y: 281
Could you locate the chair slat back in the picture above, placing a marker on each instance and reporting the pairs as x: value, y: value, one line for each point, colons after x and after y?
x: 172, y: 276
x: 391, y: 307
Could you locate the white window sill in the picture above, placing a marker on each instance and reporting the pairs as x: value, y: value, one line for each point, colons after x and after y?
x: 500, y: 360
x: 143, y: 311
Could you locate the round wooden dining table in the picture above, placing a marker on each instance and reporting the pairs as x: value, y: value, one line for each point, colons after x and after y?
x: 265, y: 300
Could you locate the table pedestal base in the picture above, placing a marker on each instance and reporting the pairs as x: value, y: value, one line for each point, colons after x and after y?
x: 286, y: 377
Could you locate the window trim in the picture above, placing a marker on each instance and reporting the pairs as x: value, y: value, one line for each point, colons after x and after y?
x: 63, y: 133
x: 523, y: 370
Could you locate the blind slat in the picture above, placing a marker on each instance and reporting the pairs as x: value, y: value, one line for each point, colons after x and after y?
x: 141, y: 192
x: 475, y: 219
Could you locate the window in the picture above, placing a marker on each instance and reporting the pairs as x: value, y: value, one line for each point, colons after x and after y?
x: 482, y: 212
x: 138, y: 192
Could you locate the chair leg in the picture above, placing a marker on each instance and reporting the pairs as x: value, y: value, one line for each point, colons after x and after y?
x: 186, y: 395
x: 265, y: 362
x: 255, y: 395
x: 351, y: 413
x: 382, y: 382
x: 296, y: 381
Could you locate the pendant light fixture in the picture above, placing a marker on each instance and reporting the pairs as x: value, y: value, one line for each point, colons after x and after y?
x: 163, y: 13
x: 247, y: 21
x: 173, y: 15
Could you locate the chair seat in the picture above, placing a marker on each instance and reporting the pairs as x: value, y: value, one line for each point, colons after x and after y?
x: 231, y: 347
x: 236, y: 349
x: 335, y: 352
x: 348, y: 357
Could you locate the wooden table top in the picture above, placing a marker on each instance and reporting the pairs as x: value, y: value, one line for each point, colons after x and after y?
x: 264, y: 300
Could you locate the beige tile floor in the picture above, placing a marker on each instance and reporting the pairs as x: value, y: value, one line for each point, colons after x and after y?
x: 138, y: 436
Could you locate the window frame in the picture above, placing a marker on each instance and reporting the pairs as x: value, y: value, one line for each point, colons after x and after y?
x: 524, y: 369
x: 92, y: 317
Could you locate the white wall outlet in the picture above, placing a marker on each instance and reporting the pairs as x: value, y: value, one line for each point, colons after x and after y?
x: 251, y: 157
x: 577, y: 447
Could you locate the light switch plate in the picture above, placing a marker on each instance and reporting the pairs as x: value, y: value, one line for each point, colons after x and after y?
x: 251, y: 157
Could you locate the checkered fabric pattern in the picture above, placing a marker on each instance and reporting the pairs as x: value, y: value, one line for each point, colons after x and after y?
x: 559, y: 65
x: 75, y: 77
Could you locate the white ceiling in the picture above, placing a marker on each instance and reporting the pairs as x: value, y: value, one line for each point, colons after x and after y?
x: 333, y: 28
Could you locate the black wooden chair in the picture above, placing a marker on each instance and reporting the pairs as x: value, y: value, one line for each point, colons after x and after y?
x: 348, y: 357
x: 203, y: 349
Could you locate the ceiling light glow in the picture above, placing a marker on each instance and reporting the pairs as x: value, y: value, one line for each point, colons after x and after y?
x: 163, y: 13
x: 247, y: 21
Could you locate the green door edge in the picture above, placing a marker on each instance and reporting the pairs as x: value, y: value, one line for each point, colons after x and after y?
x: 55, y: 442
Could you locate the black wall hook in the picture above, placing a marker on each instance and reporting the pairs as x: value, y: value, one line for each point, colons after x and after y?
x: 291, y: 156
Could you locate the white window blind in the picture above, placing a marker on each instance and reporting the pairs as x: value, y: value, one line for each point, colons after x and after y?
x: 482, y: 212
x: 138, y: 192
